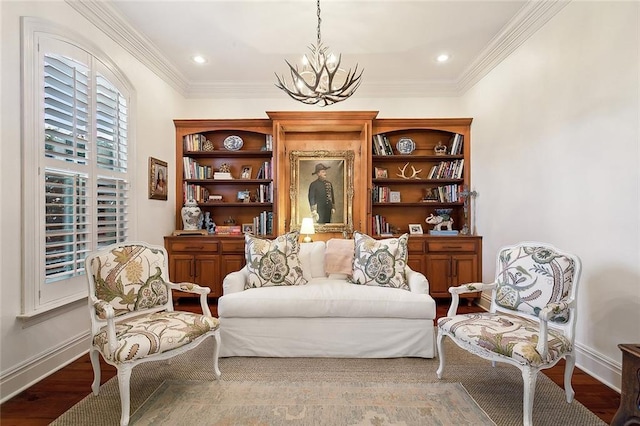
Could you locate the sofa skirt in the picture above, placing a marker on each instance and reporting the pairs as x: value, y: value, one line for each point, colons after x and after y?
x: 332, y: 337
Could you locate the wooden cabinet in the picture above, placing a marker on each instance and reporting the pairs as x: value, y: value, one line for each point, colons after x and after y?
x: 195, y: 259
x: 452, y: 261
x: 430, y: 175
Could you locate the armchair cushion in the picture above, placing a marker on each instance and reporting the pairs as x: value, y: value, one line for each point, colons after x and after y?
x: 273, y: 262
x: 140, y: 336
x: 380, y: 262
x: 521, y: 267
x: 129, y: 278
x: 506, y: 335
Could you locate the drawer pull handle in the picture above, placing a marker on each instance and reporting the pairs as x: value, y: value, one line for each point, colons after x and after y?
x: 195, y: 248
x: 452, y: 247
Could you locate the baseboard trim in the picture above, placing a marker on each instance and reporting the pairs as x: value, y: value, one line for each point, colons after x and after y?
x: 594, y: 364
x: 33, y: 370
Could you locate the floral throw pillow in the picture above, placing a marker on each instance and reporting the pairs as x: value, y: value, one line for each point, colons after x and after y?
x: 273, y: 262
x: 380, y: 262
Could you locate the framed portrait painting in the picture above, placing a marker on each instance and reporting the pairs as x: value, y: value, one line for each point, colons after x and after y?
x: 158, y: 178
x: 322, y: 188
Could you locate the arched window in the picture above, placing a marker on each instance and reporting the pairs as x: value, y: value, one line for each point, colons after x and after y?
x: 75, y: 163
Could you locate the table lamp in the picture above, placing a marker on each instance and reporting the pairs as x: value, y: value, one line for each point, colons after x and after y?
x: 307, y: 228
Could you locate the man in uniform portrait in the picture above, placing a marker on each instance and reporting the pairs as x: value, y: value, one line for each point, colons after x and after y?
x: 321, y: 196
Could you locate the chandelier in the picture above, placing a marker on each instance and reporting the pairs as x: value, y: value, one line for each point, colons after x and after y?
x: 320, y: 80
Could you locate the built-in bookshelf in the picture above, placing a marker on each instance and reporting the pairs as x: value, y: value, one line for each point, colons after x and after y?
x: 424, y: 164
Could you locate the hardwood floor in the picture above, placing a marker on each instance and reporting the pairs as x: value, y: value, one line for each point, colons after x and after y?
x: 48, y: 399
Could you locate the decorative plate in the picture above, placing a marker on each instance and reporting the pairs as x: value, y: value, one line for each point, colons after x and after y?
x: 405, y: 146
x: 233, y: 143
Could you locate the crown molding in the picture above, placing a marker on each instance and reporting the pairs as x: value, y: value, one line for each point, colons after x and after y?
x: 533, y: 15
x: 115, y: 26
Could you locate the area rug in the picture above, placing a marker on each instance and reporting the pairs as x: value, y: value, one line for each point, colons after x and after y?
x: 497, y: 390
x: 309, y: 403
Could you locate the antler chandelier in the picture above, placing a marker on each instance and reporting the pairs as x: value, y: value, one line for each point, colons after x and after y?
x: 320, y: 80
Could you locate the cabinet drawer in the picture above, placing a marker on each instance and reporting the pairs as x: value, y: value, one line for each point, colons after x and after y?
x: 191, y: 246
x: 451, y: 246
x: 236, y: 246
x: 415, y: 246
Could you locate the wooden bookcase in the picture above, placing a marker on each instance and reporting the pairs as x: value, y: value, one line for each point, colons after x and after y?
x: 445, y: 260
x: 207, y: 259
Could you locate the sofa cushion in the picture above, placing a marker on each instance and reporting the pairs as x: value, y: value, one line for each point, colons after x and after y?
x: 380, y: 262
x: 324, y: 297
x: 338, y: 258
x: 273, y: 262
x: 312, y: 259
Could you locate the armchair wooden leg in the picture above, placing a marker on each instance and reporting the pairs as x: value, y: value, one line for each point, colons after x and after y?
x: 94, y: 356
x: 529, y: 377
x: 568, y: 373
x: 216, y: 353
x: 124, y: 378
x: 439, y: 341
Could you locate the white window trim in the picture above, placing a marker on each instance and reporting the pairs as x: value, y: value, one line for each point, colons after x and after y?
x: 33, y: 135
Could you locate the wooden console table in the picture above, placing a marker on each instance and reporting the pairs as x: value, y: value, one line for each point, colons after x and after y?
x: 629, y: 412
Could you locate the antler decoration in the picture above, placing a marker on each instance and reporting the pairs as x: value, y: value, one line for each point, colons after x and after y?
x: 414, y: 175
x: 320, y: 80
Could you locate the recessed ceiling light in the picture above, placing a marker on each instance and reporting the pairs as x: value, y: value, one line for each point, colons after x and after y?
x: 442, y: 58
x: 198, y: 59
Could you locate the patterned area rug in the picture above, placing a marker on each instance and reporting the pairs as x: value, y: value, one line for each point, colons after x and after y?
x: 309, y: 403
x: 497, y: 390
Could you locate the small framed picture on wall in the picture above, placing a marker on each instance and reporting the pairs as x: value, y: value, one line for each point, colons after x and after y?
x: 158, y: 177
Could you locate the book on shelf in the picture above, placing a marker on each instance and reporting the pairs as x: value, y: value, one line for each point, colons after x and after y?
x: 195, y: 142
x: 381, y: 145
x: 456, y: 144
x: 228, y: 229
x: 222, y: 175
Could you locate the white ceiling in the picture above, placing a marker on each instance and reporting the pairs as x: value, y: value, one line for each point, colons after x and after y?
x: 247, y: 41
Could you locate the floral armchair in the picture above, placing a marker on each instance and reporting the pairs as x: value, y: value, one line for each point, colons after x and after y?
x: 132, y: 315
x: 532, y: 318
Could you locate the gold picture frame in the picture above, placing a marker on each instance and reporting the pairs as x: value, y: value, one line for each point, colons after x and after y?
x: 306, y: 166
x: 158, y: 179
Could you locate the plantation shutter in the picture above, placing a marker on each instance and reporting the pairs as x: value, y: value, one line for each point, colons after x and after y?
x: 85, y: 164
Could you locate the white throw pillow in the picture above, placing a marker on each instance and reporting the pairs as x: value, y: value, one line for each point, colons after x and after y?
x: 380, y: 262
x: 273, y: 262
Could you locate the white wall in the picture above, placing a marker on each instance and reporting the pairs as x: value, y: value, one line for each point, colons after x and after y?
x: 555, y: 158
x: 26, y: 347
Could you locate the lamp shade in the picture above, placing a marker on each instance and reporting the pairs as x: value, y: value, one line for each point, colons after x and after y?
x: 307, y: 226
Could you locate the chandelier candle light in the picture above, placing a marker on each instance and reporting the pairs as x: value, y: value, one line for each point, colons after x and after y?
x: 320, y: 80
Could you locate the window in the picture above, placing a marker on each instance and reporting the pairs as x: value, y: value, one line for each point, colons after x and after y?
x: 76, y: 145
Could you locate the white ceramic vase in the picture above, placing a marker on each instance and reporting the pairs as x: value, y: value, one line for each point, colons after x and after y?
x: 191, y: 214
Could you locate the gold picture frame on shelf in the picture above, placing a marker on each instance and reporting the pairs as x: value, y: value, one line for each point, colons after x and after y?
x: 158, y: 178
x: 316, y: 175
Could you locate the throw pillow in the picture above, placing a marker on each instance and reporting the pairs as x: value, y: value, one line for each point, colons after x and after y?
x: 380, y: 262
x: 338, y: 258
x: 273, y: 262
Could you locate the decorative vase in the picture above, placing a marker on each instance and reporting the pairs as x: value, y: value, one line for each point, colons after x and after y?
x: 191, y: 215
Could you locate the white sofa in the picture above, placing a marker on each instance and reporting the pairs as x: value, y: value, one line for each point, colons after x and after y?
x: 327, y: 317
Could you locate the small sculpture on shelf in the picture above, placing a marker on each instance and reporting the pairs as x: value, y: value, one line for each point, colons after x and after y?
x: 440, y: 220
x: 230, y: 221
x: 440, y: 149
x: 209, y: 224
